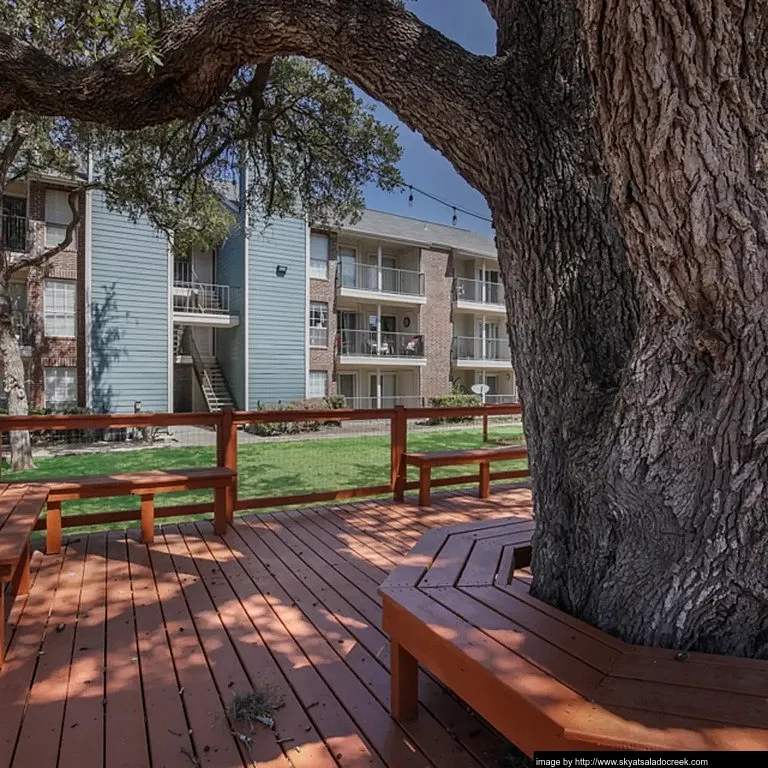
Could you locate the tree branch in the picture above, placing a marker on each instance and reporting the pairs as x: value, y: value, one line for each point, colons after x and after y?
x: 387, y: 51
x: 37, y: 259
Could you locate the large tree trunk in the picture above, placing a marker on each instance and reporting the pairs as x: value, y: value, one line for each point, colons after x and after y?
x: 12, y: 369
x: 645, y: 397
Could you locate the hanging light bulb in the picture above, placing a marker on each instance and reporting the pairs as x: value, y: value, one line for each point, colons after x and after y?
x: 455, y: 219
x: 410, y: 197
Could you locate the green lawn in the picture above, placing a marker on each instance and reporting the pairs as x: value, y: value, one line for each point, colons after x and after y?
x: 268, y: 468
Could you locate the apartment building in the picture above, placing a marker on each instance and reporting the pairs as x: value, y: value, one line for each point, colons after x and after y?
x: 388, y: 310
x: 402, y: 310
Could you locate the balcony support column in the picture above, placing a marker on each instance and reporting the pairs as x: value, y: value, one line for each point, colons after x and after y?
x: 379, y: 261
x: 378, y: 322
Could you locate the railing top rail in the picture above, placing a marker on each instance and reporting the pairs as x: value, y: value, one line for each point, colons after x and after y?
x: 106, y: 421
x: 125, y: 420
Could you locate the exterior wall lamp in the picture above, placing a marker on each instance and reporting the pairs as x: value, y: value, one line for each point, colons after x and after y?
x: 281, y: 270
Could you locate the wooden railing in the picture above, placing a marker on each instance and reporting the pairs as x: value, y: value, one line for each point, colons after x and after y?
x: 227, y: 423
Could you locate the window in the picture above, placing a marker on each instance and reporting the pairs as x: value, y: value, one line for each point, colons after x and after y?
x: 58, y: 214
x: 318, y: 324
x: 60, y: 308
x: 318, y: 257
x: 60, y: 387
x: 318, y: 384
x: 14, y: 224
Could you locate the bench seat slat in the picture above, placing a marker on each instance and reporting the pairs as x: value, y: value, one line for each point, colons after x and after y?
x: 154, y: 481
x: 15, y: 533
x: 466, y: 456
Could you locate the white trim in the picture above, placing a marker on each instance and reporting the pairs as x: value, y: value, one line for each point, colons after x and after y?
x: 307, y: 299
x: 87, y: 288
x: 396, y: 299
x: 362, y: 361
x: 169, y: 304
x: 246, y: 288
x: 206, y: 320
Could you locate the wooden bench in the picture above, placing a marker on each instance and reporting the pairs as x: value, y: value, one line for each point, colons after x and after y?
x: 20, y: 507
x: 142, y: 484
x: 460, y: 605
x: 482, y: 456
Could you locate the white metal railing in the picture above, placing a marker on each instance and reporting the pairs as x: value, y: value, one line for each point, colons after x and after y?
x: 479, y: 291
x: 386, y: 401
x: 373, y: 344
x: 23, y: 328
x: 501, y: 399
x: 476, y: 348
x: 366, y: 277
x: 192, y: 295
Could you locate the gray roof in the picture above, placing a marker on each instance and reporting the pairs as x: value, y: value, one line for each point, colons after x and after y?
x: 423, y: 233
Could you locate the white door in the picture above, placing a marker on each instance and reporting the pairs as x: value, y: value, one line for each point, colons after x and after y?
x: 487, y: 342
x: 346, y: 385
x: 348, y: 265
x: 386, y: 397
x: 490, y: 285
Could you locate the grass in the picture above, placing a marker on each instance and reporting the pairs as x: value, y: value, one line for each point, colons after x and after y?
x: 266, y: 469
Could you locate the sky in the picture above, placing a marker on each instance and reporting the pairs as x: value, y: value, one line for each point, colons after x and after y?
x: 468, y: 23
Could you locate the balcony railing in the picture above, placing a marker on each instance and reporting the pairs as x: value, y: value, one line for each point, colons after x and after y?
x: 479, y: 291
x: 474, y: 348
x: 364, y: 277
x: 386, y: 401
x: 23, y: 328
x: 14, y: 233
x: 371, y: 344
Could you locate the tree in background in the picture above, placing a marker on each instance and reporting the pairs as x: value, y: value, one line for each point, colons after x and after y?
x: 311, y: 145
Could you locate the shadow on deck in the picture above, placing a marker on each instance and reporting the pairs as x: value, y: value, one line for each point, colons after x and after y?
x: 129, y: 655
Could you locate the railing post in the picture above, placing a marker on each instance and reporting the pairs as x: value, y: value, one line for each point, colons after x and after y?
x: 485, y: 427
x: 227, y: 457
x: 399, y: 429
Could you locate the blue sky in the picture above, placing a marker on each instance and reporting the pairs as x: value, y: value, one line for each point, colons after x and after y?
x: 467, y: 22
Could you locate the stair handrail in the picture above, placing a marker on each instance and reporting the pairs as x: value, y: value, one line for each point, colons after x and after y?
x: 198, y: 365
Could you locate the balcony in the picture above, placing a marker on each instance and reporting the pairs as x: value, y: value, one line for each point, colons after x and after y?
x: 395, y: 286
x: 476, y: 352
x: 385, y: 349
x: 198, y: 303
x: 24, y: 330
x: 14, y: 233
x: 479, y: 296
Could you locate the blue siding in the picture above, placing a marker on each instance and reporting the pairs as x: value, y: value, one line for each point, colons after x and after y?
x: 278, y: 311
x: 129, y: 313
x: 230, y: 342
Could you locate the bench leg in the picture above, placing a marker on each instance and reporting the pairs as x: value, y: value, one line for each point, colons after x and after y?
x: 485, y: 479
x: 425, y: 480
x: 24, y: 573
x: 405, y: 683
x: 53, y: 528
x: 148, y: 518
x: 220, y: 512
x: 2, y: 622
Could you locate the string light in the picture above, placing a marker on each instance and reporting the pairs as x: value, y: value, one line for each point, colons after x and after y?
x: 456, y: 209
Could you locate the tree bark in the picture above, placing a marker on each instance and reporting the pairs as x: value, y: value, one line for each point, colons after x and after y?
x: 622, y: 150
x: 13, y: 384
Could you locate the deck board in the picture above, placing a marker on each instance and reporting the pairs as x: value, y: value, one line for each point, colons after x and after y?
x: 157, y: 638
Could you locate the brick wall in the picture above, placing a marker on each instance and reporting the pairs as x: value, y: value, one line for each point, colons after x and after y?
x: 69, y: 264
x: 325, y: 290
x: 436, y: 322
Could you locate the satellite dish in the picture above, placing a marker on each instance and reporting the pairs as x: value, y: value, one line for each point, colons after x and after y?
x: 480, y: 389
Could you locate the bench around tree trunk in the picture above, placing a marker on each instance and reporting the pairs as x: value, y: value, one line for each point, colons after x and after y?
x: 20, y: 507
x: 460, y: 605
x: 144, y: 485
x: 482, y: 456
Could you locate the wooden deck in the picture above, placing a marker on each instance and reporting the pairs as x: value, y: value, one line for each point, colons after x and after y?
x: 128, y: 655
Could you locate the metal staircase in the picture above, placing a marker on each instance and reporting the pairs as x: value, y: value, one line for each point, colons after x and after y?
x: 178, y: 338
x: 209, y: 375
